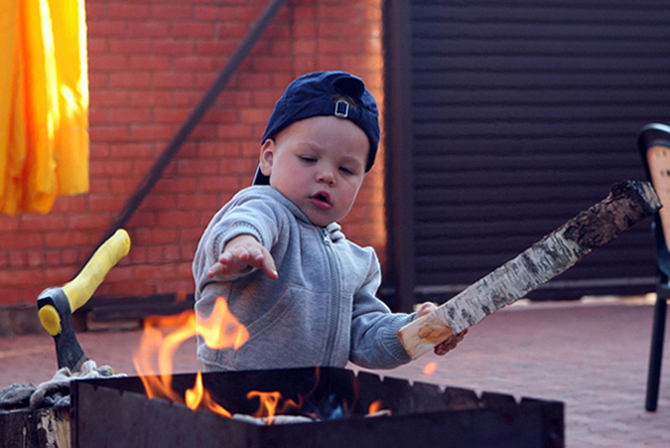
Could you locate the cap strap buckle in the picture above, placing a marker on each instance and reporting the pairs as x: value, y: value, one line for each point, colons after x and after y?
x: 342, y: 109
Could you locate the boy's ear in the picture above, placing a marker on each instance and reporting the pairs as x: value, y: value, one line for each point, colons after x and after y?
x: 267, y: 156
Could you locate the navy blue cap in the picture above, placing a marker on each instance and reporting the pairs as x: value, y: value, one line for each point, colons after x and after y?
x: 321, y: 94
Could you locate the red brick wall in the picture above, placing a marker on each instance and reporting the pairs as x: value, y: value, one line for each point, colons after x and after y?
x: 150, y: 63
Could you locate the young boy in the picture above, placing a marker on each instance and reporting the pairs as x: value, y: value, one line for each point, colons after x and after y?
x: 276, y: 254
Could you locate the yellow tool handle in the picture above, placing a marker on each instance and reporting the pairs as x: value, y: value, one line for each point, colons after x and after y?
x: 82, y: 287
x: 79, y: 290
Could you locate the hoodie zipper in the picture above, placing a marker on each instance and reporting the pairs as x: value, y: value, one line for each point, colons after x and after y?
x: 335, y: 302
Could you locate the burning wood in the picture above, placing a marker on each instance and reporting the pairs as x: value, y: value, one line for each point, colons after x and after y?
x: 199, y: 397
x: 283, y: 419
x: 269, y: 401
x: 275, y: 420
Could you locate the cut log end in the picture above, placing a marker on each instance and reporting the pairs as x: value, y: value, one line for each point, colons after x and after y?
x: 423, y: 334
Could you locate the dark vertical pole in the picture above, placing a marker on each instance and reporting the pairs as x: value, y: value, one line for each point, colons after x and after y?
x: 399, y: 164
x: 656, y: 351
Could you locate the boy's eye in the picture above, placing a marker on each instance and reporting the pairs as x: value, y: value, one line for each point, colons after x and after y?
x: 346, y: 170
x: 307, y: 159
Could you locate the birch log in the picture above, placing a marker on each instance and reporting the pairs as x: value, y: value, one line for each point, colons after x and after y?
x: 628, y: 203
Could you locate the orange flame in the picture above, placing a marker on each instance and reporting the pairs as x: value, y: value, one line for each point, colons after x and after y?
x: 157, y: 374
x: 429, y: 368
x: 375, y: 406
x: 269, y: 401
x: 199, y: 397
x: 164, y: 334
x: 220, y: 330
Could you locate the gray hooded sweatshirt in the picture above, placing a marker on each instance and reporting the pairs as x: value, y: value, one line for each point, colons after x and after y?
x: 322, y: 309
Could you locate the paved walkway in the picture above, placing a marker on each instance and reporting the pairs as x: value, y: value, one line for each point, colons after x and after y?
x: 591, y: 357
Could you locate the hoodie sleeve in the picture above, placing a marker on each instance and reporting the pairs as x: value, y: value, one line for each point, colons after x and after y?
x: 374, y: 339
x: 249, y: 213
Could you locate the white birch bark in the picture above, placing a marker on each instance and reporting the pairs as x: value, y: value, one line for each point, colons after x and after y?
x: 628, y: 203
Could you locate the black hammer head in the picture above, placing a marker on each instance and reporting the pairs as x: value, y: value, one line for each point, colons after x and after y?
x: 68, y: 351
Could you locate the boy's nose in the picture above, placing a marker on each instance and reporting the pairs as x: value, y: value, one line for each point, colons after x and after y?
x: 326, y: 175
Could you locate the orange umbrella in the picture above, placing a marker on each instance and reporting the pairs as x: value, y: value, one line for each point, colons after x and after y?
x: 43, y: 103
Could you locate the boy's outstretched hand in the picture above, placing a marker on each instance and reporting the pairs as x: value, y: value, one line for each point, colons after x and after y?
x: 451, y: 343
x: 240, y: 252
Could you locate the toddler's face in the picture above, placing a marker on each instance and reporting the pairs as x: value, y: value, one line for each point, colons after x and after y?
x: 319, y: 164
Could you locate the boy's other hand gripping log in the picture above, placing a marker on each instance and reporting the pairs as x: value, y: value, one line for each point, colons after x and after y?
x: 628, y: 203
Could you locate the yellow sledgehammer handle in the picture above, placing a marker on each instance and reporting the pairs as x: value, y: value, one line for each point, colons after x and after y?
x: 82, y: 287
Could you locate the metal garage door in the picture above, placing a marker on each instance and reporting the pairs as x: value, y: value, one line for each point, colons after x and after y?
x: 506, y: 118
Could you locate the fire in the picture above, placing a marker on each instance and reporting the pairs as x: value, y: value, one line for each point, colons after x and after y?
x: 164, y: 334
x: 199, y: 397
x: 158, y: 379
x: 269, y: 402
x: 220, y: 330
x: 375, y: 407
x: 429, y: 368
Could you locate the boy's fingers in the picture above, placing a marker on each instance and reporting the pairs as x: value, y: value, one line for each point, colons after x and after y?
x: 215, y: 269
x: 258, y: 258
x: 240, y: 253
x: 267, y: 263
x: 270, y: 268
x: 426, y: 308
x: 450, y: 344
x: 225, y: 258
x: 252, y: 257
x: 229, y: 262
x: 445, y: 347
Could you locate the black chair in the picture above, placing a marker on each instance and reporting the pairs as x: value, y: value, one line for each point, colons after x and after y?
x: 654, y: 145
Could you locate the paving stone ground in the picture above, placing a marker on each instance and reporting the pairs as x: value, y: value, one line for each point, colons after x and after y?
x: 592, y: 357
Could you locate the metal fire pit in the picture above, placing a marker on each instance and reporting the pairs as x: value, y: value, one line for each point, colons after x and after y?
x: 116, y: 412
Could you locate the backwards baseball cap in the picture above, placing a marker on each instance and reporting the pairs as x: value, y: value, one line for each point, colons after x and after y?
x: 325, y: 93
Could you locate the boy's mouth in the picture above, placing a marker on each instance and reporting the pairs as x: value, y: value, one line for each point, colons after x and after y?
x: 321, y: 200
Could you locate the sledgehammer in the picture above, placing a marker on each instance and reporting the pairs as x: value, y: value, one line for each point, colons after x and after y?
x: 56, y: 305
